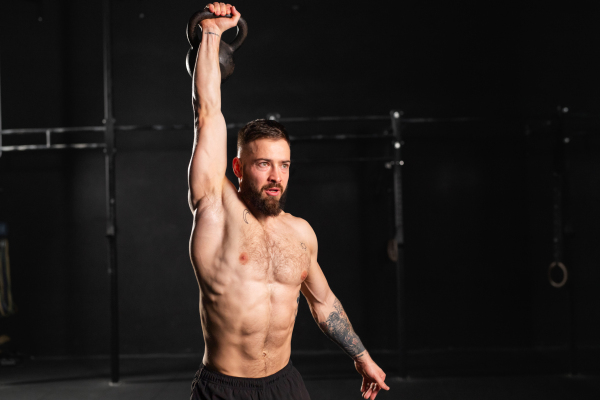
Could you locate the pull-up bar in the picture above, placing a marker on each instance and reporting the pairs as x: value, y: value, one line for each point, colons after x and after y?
x: 50, y: 145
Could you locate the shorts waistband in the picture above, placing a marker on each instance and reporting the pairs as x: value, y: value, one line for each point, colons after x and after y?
x: 251, y: 383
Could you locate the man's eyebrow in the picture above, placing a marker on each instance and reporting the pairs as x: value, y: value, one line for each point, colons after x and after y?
x: 268, y: 159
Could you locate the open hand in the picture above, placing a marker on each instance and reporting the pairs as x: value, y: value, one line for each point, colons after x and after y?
x: 220, y: 24
x: 373, y: 378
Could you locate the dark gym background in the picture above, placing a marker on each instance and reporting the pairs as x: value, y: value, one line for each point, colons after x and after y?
x: 477, y: 195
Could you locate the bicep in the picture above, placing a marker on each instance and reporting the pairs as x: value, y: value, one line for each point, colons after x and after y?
x: 209, y: 158
x: 316, y: 288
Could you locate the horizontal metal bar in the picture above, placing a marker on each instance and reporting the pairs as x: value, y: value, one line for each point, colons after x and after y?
x: 53, y: 130
x: 432, y: 120
x: 174, y: 127
x: 236, y: 125
x: 129, y: 128
x: 53, y: 147
x: 340, y: 137
x: 239, y: 125
x: 177, y: 127
x: 341, y: 160
x: 336, y: 118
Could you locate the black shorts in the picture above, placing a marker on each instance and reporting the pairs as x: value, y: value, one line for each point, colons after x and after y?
x: 286, y: 384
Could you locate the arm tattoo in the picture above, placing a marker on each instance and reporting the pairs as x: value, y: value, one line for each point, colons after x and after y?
x: 339, y: 329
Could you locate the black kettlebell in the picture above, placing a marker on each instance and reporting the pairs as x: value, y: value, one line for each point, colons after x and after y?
x: 226, y: 50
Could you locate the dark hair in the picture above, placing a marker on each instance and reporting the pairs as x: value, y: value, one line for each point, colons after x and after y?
x: 261, y: 129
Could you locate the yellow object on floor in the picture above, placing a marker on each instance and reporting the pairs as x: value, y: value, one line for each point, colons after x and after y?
x: 7, y: 306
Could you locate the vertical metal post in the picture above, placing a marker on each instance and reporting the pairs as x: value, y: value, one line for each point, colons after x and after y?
x: 0, y: 102
x: 560, y: 188
x: 111, y: 216
x: 399, y: 220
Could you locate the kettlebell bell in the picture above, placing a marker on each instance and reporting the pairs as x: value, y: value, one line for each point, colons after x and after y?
x: 226, y: 50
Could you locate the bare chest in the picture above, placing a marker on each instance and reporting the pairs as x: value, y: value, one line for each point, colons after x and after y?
x: 278, y: 256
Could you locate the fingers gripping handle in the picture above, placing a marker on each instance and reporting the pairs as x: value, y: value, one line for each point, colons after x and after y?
x: 193, y: 28
x: 194, y: 36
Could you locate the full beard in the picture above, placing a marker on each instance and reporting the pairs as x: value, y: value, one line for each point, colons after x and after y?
x: 269, y: 206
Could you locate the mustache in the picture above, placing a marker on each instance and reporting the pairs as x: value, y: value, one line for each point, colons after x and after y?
x: 272, y: 185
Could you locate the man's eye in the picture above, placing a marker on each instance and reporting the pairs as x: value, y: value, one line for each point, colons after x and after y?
x: 262, y: 164
x: 286, y: 166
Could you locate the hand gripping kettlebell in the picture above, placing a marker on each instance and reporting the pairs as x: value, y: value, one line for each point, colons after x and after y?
x: 226, y: 50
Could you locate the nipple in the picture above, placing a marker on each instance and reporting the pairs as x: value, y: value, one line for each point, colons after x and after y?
x: 304, y: 275
x: 244, y: 258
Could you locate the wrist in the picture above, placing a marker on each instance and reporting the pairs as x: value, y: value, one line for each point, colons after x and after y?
x: 209, y: 26
x: 362, y: 358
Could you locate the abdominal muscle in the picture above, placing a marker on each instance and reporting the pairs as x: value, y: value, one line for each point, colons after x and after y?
x: 247, y: 322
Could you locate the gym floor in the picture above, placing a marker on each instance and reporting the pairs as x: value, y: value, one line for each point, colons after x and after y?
x: 170, y: 378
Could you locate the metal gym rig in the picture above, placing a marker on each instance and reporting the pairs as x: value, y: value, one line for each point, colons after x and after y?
x: 394, y: 137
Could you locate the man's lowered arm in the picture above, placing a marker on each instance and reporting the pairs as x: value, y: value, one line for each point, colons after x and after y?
x: 329, y: 314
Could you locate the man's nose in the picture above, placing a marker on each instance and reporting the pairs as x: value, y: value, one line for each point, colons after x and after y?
x: 275, y: 175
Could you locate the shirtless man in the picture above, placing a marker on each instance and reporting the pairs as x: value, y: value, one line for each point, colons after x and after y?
x: 251, y: 258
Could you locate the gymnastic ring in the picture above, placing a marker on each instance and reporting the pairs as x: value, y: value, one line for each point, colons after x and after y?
x: 558, y: 264
x: 226, y: 50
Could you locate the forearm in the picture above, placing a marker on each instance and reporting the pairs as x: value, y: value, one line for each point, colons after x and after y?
x: 334, y: 322
x: 207, y: 75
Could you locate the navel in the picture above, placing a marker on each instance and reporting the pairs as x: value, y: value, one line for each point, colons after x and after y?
x: 244, y: 258
x: 304, y: 275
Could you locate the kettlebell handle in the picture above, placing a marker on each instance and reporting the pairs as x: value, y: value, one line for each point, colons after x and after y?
x: 193, y: 28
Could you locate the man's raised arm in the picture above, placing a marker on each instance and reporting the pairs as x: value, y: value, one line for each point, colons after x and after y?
x: 209, y: 157
x: 329, y: 314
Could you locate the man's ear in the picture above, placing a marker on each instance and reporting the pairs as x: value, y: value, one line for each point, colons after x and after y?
x: 237, y: 167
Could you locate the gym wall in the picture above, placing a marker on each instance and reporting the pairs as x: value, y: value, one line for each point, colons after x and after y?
x: 477, y: 196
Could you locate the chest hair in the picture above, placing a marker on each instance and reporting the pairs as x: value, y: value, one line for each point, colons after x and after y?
x: 274, y: 255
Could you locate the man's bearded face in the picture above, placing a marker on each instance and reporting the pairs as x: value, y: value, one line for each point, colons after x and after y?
x: 267, y: 205
x: 264, y: 175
